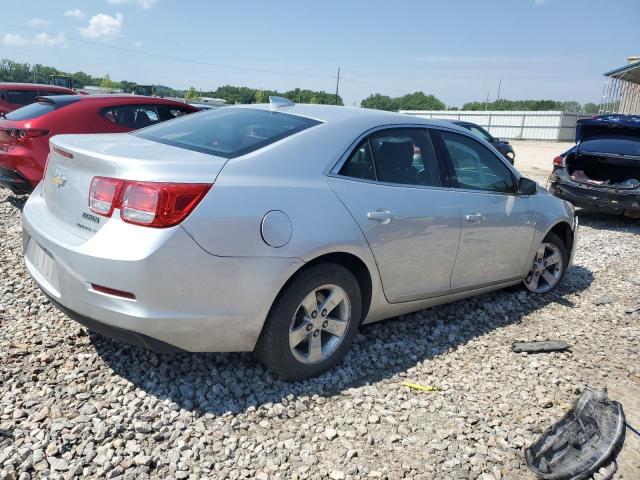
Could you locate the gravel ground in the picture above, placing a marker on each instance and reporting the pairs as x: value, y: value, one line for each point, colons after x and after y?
x: 74, y: 404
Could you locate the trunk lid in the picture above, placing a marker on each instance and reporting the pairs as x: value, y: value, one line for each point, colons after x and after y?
x: 608, y: 126
x: 75, y: 159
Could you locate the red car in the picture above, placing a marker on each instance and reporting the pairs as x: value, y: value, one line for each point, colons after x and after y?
x: 16, y: 95
x: 25, y: 133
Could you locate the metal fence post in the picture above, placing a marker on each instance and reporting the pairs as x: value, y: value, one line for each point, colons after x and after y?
x: 524, y: 115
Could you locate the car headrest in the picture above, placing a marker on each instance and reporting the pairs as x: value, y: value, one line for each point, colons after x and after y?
x: 396, y: 155
x: 142, y: 120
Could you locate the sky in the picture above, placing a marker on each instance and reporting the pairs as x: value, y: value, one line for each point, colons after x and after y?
x: 457, y: 50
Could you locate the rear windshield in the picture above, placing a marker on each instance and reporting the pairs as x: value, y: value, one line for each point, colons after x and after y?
x: 21, y: 97
x: 30, y: 112
x: 227, y: 132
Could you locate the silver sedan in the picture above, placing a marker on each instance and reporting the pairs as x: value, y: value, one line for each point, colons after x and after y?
x: 282, y: 228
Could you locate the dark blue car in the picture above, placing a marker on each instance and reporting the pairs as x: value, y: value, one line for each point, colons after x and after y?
x: 501, y: 145
x: 602, y: 171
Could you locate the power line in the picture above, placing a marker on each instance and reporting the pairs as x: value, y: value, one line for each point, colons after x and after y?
x: 179, y: 59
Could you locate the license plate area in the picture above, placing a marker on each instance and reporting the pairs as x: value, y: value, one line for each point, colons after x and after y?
x: 43, y: 267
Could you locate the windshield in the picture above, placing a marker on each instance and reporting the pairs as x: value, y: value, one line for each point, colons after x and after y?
x: 227, y: 132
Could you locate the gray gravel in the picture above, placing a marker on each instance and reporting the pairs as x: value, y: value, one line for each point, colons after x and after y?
x: 74, y: 404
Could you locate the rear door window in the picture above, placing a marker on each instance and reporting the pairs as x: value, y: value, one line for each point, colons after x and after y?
x: 228, y: 132
x: 21, y: 97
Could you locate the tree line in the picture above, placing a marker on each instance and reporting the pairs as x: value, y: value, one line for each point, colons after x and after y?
x: 11, y: 71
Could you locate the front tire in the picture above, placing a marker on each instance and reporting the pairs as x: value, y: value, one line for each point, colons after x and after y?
x: 312, y: 323
x: 549, y: 265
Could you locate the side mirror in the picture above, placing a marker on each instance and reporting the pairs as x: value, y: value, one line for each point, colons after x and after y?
x: 526, y: 186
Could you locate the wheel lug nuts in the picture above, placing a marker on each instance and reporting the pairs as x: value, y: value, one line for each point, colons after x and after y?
x: 324, y: 313
x: 314, y: 314
x: 325, y: 324
x: 316, y: 333
x: 309, y: 327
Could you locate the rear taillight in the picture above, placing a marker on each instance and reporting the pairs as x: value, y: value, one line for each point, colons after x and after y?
x: 103, y: 195
x: 150, y: 204
x: 558, y: 161
x: 23, y: 134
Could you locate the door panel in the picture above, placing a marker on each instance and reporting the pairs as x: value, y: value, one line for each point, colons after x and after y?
x: 413, y: 232
x: 497, y: 231
x: 497, y: 224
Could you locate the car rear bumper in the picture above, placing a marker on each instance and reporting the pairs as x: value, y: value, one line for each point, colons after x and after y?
x: 185, y: 298
x: 592, y: 197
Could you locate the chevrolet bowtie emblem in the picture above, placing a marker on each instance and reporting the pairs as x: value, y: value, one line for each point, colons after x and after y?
x: 59, y: 180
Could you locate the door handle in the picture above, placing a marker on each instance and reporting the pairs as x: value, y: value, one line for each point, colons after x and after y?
x: 475, y: 218
x: 384, y: 216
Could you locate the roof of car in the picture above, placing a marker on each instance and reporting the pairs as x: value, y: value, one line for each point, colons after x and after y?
x: 32, y: 86
x: 110, y: 99
x: 334, y: 113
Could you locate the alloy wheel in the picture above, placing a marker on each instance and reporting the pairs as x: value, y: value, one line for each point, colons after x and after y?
x: 319, y: 324
x: 546, y: 270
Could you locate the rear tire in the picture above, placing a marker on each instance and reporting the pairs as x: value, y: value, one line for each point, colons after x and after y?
x: 549, y: 265
x: 302, y: 339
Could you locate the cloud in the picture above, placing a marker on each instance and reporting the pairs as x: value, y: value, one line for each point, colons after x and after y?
x: 144, y: 4
x: 103, y: 26
x: 541, y: 2
x: 38, y: 23
x: 14, y: 40
x: 45, y: 40
x: 138, y: 44
x: 75, y: 13
x: 41, y: 40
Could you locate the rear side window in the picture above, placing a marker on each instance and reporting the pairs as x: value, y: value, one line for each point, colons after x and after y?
x: 21, y: 97
x: 132, y: 116
x: 360, y: 163
x: 403, y: 156
x: 228, y: 132
x: 30, y: 112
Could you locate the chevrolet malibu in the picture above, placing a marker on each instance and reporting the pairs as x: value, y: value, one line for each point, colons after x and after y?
x: 281, y: 228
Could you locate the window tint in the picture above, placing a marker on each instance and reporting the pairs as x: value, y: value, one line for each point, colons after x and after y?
x: 21, y: 97
x: 406, y: 156
x: 360, y: 163
x: 132, y: 116
x: 48, y: 93
x: 29, y: 112
x: 480, y: 133
x: 228, y: 132
x: 169, y: 112
x: 476, y: 167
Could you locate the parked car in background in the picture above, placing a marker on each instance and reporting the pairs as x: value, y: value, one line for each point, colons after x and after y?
x: 25, y: 133
x: 281, y: 228
x: 16, y: 95
x: 501, y: 145
x: 602, y: 171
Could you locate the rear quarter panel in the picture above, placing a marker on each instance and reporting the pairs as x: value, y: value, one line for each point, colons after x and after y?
x: 289, y: 176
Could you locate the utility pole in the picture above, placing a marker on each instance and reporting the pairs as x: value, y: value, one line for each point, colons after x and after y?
x: 486, y: 102
x: 498, y: 99
x: 337, y: 85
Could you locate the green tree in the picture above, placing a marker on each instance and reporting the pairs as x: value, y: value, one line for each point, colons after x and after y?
x: 107, y: 84
x: 380, y: 102
x: 260, y: 96
x: 591, y: 108
x: 191, y: 94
